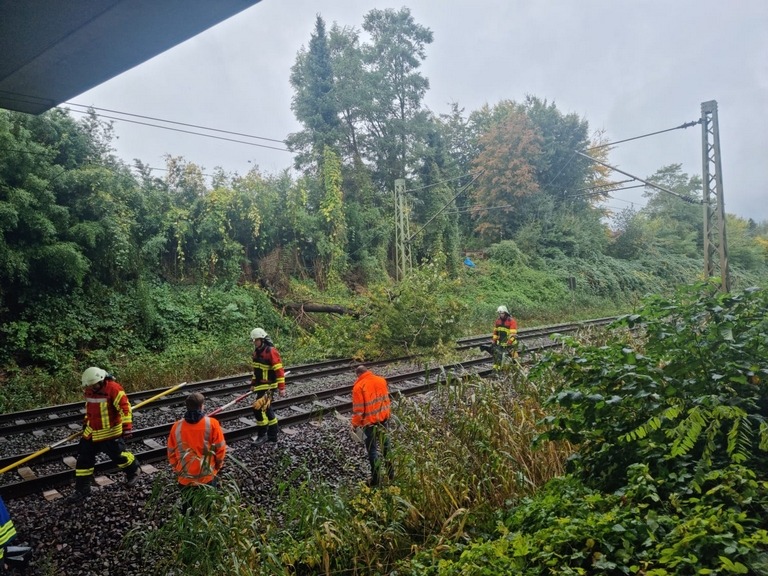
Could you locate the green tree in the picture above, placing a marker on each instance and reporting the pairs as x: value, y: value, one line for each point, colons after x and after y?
x: 744, y: 250
x: 395, y: 120
x: 434, y: 207
x: 332, y: 210
x: 631, y: 236
x: 314, y: 102
x: 675, y: 220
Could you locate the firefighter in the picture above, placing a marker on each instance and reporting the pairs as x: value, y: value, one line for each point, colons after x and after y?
x: 504, y: 339
x: 268, y: 376
x: 7, y: 533
x: 370, y: 411
x: 107, y: 425
x: 196, y: 448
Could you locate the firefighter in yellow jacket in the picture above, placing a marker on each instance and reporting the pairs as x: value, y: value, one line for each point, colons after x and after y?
x: 268, y: 376
x: 370, y: 411
x: 108, y: 424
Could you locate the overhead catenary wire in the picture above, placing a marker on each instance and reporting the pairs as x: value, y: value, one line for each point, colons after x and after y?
x: 438, y: 183
x: 606, y: 192
x: 155, y: 119
x: 184, y: 131
x: 461, y: 191
x: 651, y: 184
x: 682, y: 126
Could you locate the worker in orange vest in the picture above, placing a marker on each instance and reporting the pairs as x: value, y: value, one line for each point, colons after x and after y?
x: 196, y: 448
x: 370, y: 411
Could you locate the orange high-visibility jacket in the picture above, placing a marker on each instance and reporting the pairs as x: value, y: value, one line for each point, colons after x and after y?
x: 107, y: 412
x: 505, y: 331
x: 370, y: 400
x: 196, y: 451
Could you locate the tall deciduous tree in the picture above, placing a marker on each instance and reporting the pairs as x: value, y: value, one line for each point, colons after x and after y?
x: 437, y: 237
x: 395, y: 118
x: 559, y: 170
x: 507, y: 165
x: 314, y: 101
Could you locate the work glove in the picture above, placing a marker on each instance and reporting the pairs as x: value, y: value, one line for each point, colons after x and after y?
x: 282, y: 393
x: 127, y: 435
x: 261, y: 403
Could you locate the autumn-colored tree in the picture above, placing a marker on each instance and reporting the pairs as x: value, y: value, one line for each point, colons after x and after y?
x: 507, y: 166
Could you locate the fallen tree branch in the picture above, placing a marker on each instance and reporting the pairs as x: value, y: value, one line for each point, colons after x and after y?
x: 303, y: 307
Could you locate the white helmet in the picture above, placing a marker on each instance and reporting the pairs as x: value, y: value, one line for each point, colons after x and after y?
x: 92, y: 375
x: 258, y: 333
x: 502, y: 310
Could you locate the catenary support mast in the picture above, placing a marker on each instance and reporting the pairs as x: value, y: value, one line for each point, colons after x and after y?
x: 714, y: 206
x: 402, y: 232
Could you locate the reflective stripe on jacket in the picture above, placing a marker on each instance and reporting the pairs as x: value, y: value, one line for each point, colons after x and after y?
x: 505, y: 331
x: 7, y: 530
x: 268, y: 372
x: 107, y: 412
x: 196, y: 451
x: 370, y: 400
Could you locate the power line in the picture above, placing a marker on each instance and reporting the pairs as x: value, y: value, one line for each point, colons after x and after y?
x: 605, y: 185
x: 607, y: 192
x: 438, y: 183
x: 463, y: 188
x: 646, y: 182
x: 184, y: 131
x: 686, y: 125
x: 174, y: 122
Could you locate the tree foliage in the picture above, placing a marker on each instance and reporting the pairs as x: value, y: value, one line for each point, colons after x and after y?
x: 688, y: 399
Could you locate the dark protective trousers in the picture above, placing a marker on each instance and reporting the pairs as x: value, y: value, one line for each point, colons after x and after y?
x: 86, y: 460
x: 378, y: 445
x: 266, y: 420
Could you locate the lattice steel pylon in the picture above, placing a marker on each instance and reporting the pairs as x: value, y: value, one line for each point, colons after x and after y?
x: 712, y: 176
x: 402, y: 232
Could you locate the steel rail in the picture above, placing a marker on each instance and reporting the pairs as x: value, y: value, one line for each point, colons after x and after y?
x: 28, y: 420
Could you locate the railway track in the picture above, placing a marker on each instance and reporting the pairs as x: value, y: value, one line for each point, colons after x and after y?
x: 321, y: 389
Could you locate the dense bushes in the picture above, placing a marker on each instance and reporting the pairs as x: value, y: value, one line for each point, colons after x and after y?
x: 149, y: 335
x: 669, y: 474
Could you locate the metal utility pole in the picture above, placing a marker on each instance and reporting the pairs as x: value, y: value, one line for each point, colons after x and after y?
x: 712, y: 176
x: 402, y: 232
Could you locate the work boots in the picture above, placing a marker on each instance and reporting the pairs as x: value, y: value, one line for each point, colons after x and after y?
x: 132, y: 475
x: 82, y: 490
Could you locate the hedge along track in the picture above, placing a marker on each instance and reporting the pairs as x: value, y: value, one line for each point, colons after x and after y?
x: 320, y: 395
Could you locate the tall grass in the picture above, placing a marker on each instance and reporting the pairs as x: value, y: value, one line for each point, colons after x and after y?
x: 218, y: 536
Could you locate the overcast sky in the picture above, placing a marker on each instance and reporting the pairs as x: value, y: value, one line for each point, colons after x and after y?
x: 628, y: 67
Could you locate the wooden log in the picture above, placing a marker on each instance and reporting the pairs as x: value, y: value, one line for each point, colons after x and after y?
x: 303, y: 307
